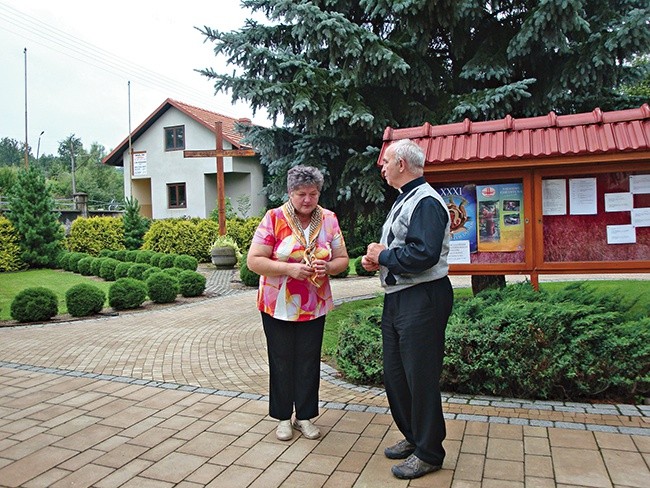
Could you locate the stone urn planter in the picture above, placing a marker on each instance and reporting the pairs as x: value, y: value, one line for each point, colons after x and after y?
x: 223, y: 257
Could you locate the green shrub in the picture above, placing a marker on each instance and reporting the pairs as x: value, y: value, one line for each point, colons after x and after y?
x: 96, y: 266
x: 192, y: 284
x: 144, y: 256
x: 360, y: 270
x: 186, y: 262
x: 242, y: 231
x: 107, y: 269
x: 182, y: 236
x: 84, y: 299
x: 155, y: 259
x: 84, y: 266
x: 248, y: 277
x: 131, y: 255
x: 173, y: 272
x: 9, y: 247
x: 62, y: 260
x: 120, y: 255
x: 149, y: 271
x: 167, y: 261
x: 122, y: 270
x: 137, y: 270
x: 73, y: 260
x: 93, y: 234
x: 127, y: 293
x: 105, y: 253
x: 162, y: 287
x: 34, y: 304
x: 359, y: 352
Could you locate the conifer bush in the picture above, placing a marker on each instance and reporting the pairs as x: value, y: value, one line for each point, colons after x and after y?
x: 84, y: 299
x: 155, y: 259
x: 96, y: 266
x: 84, y: 266
x: 167, y: 261
x: 248, y: 277
x: 131, y: 255
x: 62, y: 260
x: 144, y: 256
x: 149, y: 271
x: 191, y: 283
x: 185, y: 261
x: 34, y: 304
x: 174, y: 272
x: 137, y: 271
x: 127, y: 293
x: 162, y: 287
x: 107, y: 269
x: 73, y: 261
x: 122, y: 270
x: 9, y: 247
x: 359, y: 351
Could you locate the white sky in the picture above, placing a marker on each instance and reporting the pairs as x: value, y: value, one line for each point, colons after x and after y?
x: 81, y: 55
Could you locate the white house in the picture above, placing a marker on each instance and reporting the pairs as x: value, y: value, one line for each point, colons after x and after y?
x: 167, y: 184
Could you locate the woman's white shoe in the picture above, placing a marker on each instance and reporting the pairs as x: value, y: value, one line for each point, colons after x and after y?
x: 309, y: 430
x: 284, y: 432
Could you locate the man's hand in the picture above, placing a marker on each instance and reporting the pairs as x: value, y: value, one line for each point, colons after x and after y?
x: 372, y: 253
x: 367, y: 265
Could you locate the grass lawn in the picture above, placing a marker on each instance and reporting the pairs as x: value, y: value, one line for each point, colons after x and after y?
x: 636, y: 291
x: 56, y: 280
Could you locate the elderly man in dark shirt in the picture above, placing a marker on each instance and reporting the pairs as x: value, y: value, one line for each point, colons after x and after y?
x: 412, y: 260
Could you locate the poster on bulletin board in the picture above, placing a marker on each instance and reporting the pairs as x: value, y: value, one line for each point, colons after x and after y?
x: 461, y: 203
x: 500, y: 213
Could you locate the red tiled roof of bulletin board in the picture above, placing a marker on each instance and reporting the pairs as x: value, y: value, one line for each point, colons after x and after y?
x: 546, y: 136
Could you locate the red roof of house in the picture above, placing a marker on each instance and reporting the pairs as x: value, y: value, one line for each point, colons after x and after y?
x: 546, y: 136
x: 204, y: 117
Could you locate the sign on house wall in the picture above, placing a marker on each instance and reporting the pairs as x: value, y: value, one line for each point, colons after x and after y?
x: 140, y: 163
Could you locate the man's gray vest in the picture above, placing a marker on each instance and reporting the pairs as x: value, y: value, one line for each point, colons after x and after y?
x: 393, y: 234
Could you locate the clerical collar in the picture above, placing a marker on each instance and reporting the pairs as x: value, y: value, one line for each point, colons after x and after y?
x: 412, y: 184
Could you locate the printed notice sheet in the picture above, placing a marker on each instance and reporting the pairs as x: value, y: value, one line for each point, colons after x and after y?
x: 621, y: 234
x: 641, y: 217
x: 619, y: 202
x: 554, y: 197
x: 640, y: 184
x: 582, y: 196
x: 458, y: 252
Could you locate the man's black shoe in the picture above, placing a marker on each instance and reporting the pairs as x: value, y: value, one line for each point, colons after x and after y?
x: 413, y: 467
x: 401, y: 450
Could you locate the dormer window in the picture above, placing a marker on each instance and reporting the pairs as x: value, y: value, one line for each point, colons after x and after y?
x: 175, y: 138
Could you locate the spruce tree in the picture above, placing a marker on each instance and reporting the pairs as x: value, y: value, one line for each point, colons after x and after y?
x: 135, y: 225
x: 336, y: 73
x: 32, y: 215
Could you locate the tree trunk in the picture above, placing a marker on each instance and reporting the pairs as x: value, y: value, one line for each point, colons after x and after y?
x: 483, y: 282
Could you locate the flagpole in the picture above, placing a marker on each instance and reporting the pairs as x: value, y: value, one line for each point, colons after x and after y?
x: 26, y: 144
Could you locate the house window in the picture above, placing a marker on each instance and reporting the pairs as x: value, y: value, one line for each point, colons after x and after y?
x: 175, y: 138
x: 176, y: 195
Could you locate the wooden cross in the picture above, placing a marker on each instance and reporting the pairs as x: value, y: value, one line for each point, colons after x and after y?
x: 219, y: 153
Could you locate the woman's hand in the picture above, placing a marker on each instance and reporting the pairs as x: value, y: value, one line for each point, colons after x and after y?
x: 368, y: 265
x: 320, y: 267
x: 300, y: 271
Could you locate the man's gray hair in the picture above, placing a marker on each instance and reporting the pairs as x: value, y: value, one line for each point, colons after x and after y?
x: 410, y: 152
x: 300, y: 176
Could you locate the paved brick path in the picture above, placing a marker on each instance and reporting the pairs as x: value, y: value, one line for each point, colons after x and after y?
x: 177, y: 397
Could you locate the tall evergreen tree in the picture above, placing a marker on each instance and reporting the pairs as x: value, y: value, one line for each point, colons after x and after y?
x: 135, y: 225
x: 336, y: 73
x: 31, y: 213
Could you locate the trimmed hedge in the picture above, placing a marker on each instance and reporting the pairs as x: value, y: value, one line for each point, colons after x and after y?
x: 162, y: 287
x: 84, y: 299
x: 9, y: 247
x: 34, y: 304
x: 127, y: 293
x: 93, y: 234
x: 191, y: 283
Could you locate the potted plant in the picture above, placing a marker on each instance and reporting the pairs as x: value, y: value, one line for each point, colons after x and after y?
x: 225, y: 252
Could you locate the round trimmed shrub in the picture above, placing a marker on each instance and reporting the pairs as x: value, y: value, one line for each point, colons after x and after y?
x: 122, y: 270
x: 172, y: 272
x: 360, y: 270
x: 248, y: 277
x: 73, y: 260
x: 144, y: 256
x: 155, y: 259
x: 107, y: 269
x: 84, y: 299
x: 342, y: 274
x: 132, y: 255
x: 96, y: 266
x: 359, y: 352
x: 127, y: 293
x: 192, y: 284
x: 162, y: 288
x: 149, y: 271
x: 106, y: 253
x: 136, y: 271
x: 185, y: 261
x: 167, y: 261
x: 34, y: 305
x: 120, y: 255
x: 84, y: 266
x: 62, y: 260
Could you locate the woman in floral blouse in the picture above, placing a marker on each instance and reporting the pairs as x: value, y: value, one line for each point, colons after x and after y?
x: 294, y: 249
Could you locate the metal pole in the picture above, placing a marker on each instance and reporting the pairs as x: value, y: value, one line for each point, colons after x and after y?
x: 130, y: 144
x: 26, y: 144
x: 74, y: 185
x: 221, y: 186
